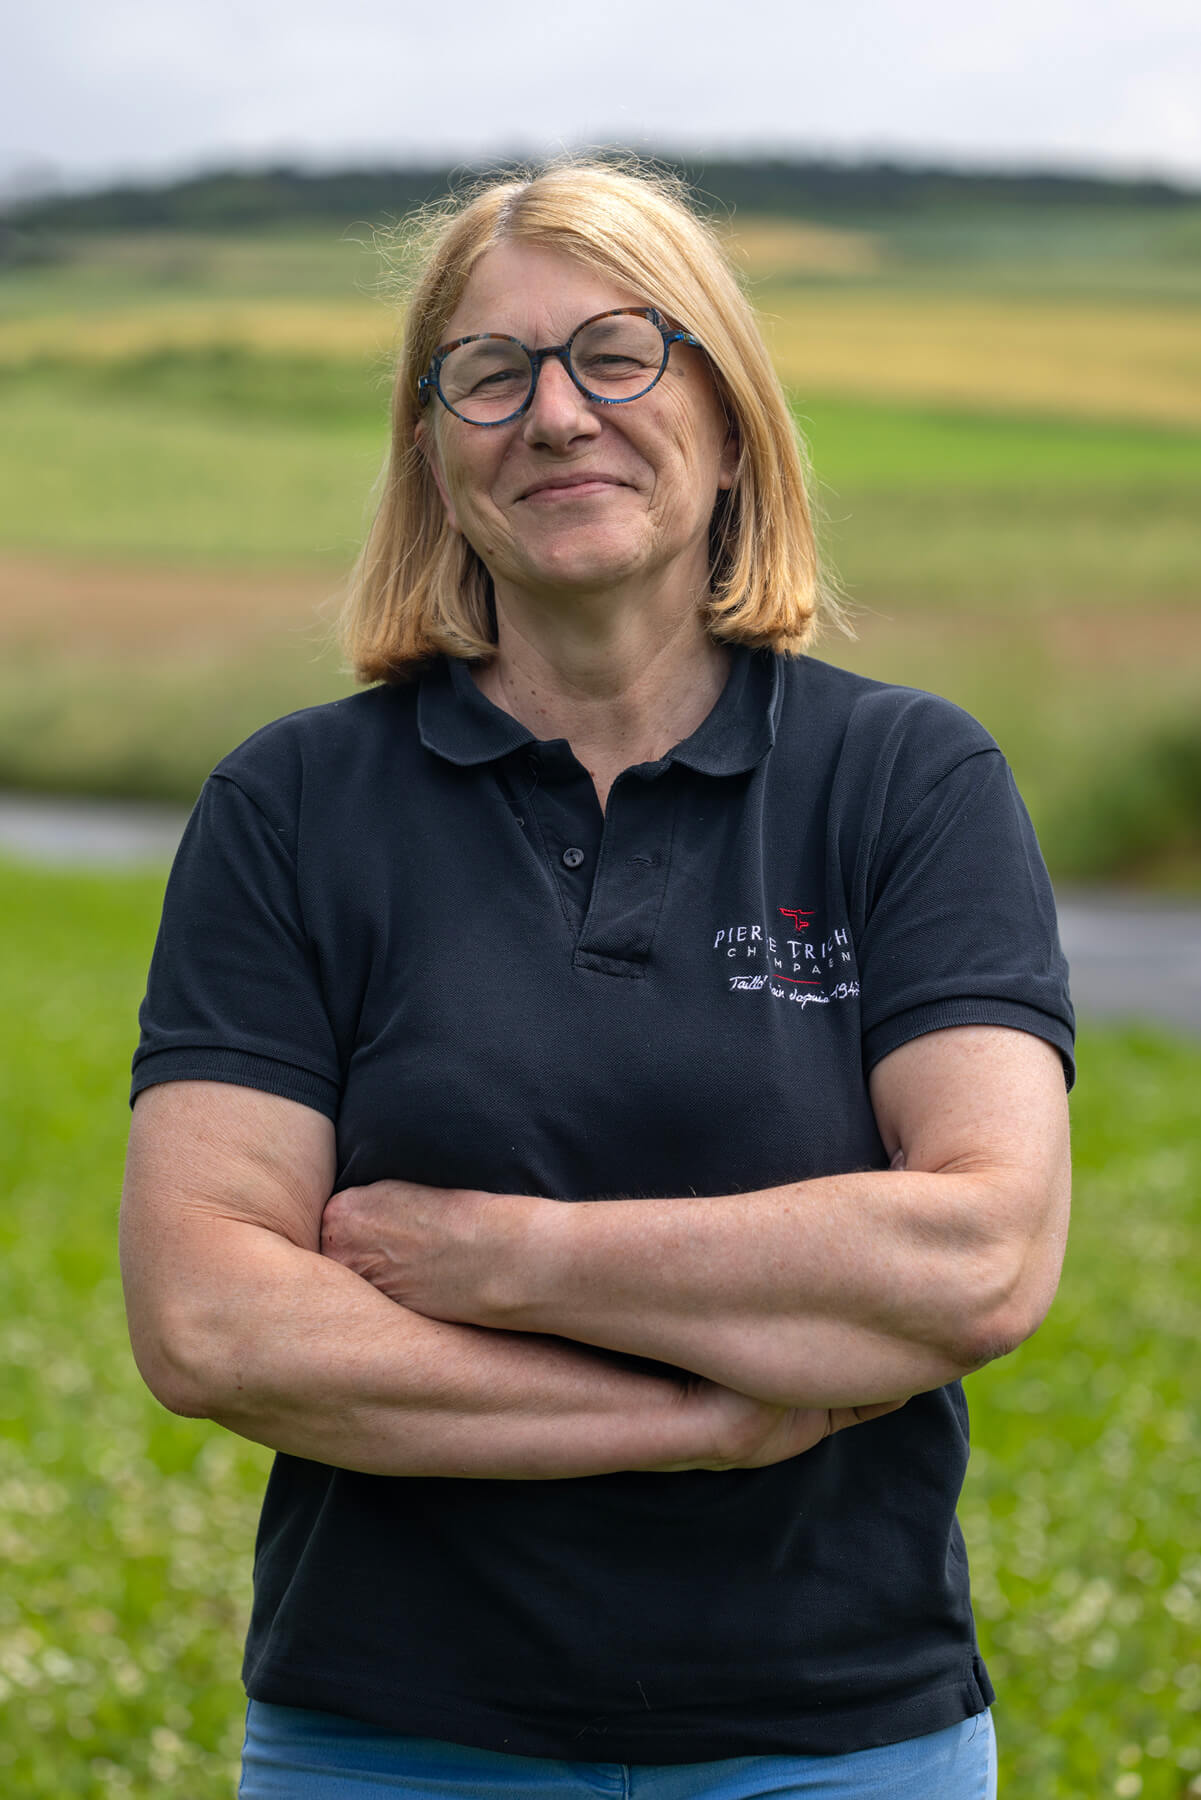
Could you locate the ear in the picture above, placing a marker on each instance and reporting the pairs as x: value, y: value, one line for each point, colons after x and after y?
x: 427, y: 445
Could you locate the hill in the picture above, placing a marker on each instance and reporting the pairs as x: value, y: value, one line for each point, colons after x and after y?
x: 229, y: 199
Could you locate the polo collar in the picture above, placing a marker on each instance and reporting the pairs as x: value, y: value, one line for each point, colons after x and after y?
x: 741, y: 729
x: 457, y: 722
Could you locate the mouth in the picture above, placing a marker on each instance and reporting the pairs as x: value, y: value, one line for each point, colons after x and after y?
x: 557, y: 488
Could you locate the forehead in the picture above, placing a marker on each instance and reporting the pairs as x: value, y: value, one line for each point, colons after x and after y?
x: 535, y: 294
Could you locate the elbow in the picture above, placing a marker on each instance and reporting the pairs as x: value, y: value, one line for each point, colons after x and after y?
x: 172, y: 1383
x: 1007, y: 1269
x: 991, y: 1338
x: 181, y: 1366
x: 1007, y: 1312
x: 1007, y: 1285
x: 184, y: 1402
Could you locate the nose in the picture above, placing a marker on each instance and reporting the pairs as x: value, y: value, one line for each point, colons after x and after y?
x: 558, y: 413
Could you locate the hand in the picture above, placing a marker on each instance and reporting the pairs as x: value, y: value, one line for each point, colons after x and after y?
x: 753, y: 1434
x: 437, y: 1251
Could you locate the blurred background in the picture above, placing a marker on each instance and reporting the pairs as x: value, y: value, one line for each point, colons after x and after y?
x: 975, y: 241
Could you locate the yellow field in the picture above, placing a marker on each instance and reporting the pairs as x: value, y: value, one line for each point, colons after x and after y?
x: 1075, y: 359
x: 768, y: 248
x: 294, y: 327
x: 846, y: 331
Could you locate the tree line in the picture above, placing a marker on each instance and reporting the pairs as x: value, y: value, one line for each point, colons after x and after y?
x: 229, y: 199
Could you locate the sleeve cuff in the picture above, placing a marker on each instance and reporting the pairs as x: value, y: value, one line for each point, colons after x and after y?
x: 241, y: 1070
x: 939, y: 1015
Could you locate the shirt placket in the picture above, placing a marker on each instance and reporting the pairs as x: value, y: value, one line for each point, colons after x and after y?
x: 562, y: 802
x: 610, y: 869
x: 630, y: 883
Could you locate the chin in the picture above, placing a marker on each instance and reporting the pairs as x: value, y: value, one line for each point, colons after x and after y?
x: 585, y: 567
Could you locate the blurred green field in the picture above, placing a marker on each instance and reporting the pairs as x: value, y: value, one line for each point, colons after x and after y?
x: 1005, y: 419
x: 127, y: 1533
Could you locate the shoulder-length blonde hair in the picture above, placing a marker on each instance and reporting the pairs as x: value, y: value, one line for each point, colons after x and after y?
x: 420, y: 590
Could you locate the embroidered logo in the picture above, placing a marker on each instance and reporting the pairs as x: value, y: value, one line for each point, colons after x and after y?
x: 805, y: 971
x: 799, y: 917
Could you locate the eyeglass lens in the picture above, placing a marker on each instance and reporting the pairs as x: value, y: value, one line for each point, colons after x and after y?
x: 613, y: 358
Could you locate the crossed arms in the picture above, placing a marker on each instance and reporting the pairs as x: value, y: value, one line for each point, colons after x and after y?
x: 446, y: 1332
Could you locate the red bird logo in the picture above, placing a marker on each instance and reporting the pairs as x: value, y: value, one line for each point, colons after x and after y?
x: 798, y: 915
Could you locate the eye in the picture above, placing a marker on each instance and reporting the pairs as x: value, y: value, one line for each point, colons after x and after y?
x: 498, y: 381
x: 485, y: 376
x: 617, y: 353
x: 613, y: 362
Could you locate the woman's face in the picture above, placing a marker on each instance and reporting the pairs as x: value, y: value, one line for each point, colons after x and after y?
x: 575, y: 496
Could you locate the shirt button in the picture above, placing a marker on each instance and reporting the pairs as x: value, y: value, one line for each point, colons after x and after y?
x: 572, y: 858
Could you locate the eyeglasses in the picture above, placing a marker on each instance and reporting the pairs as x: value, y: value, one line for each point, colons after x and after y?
x: 489, y: 379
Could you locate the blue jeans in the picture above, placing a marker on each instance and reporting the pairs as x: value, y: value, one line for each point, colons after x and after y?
x: 292, y: 1754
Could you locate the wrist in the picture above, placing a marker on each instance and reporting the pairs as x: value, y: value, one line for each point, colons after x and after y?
x: 517, y: 1247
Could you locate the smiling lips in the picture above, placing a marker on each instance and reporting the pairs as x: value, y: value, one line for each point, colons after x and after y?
x: 571, y: 487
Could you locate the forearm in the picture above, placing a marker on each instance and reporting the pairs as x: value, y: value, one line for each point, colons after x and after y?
x: 297, y: 1353
x: 835, y: 1292
x: 838, y: 1291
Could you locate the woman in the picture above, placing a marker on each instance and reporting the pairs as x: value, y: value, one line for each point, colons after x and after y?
x: 621, y: 902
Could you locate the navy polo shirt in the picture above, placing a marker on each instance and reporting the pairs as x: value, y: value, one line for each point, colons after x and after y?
x: 403, y: 910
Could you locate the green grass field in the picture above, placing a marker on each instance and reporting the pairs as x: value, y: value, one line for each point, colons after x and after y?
x: 126, y: 1533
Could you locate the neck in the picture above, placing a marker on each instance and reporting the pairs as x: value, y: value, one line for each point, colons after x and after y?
x: 622, y: 685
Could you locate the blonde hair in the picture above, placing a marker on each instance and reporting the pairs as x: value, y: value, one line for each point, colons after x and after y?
x: 420, y: 590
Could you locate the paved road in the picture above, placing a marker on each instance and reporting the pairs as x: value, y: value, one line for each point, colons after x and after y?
x: 88, y: 833
x: 1132, y: 957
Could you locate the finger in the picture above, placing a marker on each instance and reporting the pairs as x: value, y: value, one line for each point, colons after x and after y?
x: 841, y: 1418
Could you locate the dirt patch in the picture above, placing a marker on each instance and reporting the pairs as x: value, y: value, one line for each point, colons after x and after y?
x: 1084, y: 638
x: 1165, y: 636
x: 101, y: 608
x: 105, y: 608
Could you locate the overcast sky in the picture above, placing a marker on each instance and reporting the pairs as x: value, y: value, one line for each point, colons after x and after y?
x: 104, y: 88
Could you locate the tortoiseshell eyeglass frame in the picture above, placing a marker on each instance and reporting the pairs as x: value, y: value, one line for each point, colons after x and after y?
x: 431, y: 383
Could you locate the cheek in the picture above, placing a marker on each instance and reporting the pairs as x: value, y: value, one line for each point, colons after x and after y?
x: 691, y: 470
x: 461, y: 483
x: 468, y: 510
x: 432, y: 450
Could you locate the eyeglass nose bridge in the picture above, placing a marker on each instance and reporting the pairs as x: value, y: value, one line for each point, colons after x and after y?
x: 561, y: 353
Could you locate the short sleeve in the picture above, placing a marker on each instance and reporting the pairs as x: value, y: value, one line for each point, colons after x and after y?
x: 234, y: 992
x: 960, y: 924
